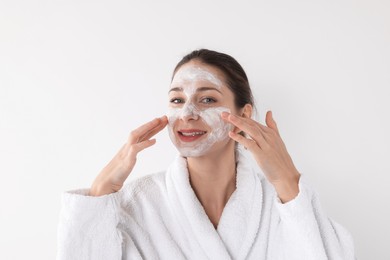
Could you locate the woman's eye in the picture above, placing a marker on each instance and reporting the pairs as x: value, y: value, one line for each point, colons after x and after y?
x: 208, y: 100
x: 176, y: 100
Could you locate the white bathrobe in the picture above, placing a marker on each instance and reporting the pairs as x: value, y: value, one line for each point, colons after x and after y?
x: 159, y: 217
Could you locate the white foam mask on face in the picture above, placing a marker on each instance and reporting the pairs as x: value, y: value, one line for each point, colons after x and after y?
x: 218, y: 129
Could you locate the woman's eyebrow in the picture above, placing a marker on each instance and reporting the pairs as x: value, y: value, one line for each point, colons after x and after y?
x: 206, y: 89
x: 175, y: 89
x: 178, y: 89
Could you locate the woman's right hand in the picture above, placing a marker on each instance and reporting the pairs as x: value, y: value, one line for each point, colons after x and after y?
x: 114, y: 174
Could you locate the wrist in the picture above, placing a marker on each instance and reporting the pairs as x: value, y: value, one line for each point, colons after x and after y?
x: 100, y: 190
x: 287, y: 189
x: 94, y: 191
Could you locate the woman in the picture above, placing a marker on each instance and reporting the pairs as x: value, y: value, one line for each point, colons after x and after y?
x: 212, y: 202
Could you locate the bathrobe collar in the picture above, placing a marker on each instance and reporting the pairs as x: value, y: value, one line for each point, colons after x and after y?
x: 239, y: 223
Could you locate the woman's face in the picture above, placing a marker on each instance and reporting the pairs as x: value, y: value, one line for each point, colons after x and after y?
x: 198, y: 95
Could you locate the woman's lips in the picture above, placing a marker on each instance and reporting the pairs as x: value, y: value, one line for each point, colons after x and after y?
x: 190, y: 135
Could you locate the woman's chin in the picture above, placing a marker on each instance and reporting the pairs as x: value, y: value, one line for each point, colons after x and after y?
x: 209, y: 151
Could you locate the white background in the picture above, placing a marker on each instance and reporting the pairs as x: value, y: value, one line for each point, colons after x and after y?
x: 77, y: 76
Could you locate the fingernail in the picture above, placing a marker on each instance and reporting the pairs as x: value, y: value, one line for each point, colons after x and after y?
x: 224, y: 114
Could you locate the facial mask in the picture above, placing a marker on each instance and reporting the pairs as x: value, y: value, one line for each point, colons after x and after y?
x: 212, y: 117
x: 218, y: 129
x: 192, y: 74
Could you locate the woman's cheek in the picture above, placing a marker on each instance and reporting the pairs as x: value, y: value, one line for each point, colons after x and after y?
x: 212, y: 117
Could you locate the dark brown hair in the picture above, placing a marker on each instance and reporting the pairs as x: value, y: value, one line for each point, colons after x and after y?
x: 235, y: 76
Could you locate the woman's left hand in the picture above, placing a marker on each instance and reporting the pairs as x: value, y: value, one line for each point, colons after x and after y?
x: 269, y: 151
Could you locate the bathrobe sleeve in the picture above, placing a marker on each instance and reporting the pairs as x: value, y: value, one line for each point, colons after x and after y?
x: 88, y: 227
x: 305, y: 232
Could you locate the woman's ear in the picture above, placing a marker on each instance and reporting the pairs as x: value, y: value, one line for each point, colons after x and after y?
x: 246, y: 111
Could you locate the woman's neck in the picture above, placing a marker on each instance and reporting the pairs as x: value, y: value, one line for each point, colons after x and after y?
x: 213, y: 179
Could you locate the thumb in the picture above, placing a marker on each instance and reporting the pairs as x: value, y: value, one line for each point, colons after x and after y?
x: 271, y: 123
x: 138, y: 147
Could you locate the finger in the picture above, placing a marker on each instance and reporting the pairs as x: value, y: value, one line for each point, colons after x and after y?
x: 239, y: 122
x: 251, y: 145
x: 266, y: 131
x: 154, y: 131
x: 249, y: 126
x: 271, y: 123
x: 136, y: 148
x: 142, y: 130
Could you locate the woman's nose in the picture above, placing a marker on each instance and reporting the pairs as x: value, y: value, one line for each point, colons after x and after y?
x: 189, y: 112
x: 190, y: 117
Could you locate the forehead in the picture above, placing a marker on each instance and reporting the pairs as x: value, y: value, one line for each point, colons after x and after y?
x: 195, y: 71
